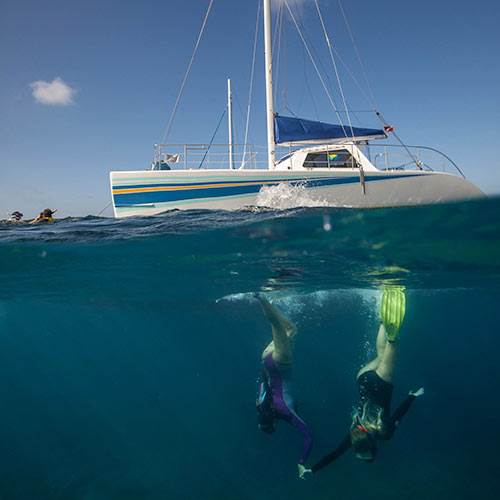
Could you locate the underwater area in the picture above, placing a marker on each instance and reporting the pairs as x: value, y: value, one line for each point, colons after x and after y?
x: 130, y: 352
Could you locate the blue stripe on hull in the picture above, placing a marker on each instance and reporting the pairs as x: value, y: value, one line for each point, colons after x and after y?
x: 141, y: 198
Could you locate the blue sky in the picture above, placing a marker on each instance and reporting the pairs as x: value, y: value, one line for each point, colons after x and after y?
x: 433, y: 67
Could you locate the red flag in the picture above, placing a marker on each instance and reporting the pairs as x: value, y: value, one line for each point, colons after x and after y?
x: 388, y: 128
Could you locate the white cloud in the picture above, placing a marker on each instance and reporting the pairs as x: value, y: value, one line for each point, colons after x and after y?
x: 54, y: 93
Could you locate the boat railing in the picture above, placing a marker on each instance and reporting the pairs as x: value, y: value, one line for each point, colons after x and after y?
x: 249, y: 156
x: 209, y: 156
x: 405, y: 157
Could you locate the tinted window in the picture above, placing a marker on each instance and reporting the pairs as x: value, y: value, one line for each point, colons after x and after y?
x: 332, y: 159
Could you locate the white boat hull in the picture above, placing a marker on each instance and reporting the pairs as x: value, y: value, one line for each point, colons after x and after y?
x: 143, y: 193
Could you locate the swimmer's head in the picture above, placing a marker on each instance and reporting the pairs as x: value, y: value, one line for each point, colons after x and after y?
x: 363, y: 443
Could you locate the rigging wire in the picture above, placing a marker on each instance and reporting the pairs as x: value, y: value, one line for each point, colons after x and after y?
x: 250, y: 90
x: 213, y: 137
x: 417, y: 162
x: 358, y: 55
x: 308, y: 87
x: 319, y: 59
x: 315, y: 66
x: 276, y: 26
x: 354, y: 79
x: 186, y: 74
x: 280, y: 44
x: 279, y: 23
x: 328, y: 42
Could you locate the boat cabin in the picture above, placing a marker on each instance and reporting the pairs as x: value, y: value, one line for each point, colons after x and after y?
x: 326, y: 157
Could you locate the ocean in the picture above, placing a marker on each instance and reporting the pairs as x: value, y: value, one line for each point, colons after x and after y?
x: 130, y: 351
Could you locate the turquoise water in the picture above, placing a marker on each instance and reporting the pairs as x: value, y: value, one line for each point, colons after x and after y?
x: 130, y: 351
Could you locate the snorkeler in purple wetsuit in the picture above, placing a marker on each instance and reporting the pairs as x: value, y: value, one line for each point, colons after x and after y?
x: 274, y: 399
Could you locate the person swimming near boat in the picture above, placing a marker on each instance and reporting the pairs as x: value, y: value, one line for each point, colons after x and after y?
x: 45, y: 216
x: 274, y: 399
x: 372, y: 419
x: 16, y: 217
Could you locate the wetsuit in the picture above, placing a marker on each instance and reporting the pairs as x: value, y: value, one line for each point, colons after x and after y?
x: 275, y: 396
x: 374, y: 393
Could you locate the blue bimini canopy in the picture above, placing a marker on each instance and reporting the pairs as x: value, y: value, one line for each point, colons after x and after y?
x: 295, y: 130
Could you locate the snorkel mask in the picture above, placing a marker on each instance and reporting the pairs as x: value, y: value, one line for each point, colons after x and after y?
x: 363, y: 438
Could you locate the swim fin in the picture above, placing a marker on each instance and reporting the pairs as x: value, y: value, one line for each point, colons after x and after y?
x: 393, y: 310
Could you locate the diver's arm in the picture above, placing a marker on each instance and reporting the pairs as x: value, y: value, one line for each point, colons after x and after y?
x: 404, y: 407
x: 336, y: 453
x: 307, y: 438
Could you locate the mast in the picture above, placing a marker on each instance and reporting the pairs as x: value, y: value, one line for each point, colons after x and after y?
x: 269, y: 84
x: 230, y: 123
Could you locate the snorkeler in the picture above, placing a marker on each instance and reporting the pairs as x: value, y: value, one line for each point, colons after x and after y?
x: 15, y: 217
x: 274, y: 399
x: 372, y: 419
x: 45, y: 216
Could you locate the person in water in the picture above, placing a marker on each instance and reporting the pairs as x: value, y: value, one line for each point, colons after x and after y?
x: 274, y: 398
x: 45, y: 216
x: 372, y: 419
x: 16, y: 217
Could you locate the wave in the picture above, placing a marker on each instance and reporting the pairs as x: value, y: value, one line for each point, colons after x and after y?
x: 306, y: 249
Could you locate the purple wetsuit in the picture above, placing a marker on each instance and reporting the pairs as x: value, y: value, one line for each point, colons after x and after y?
x: 275, y: 391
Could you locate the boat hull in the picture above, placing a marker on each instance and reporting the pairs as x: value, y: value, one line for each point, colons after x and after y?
x: 152, y: 192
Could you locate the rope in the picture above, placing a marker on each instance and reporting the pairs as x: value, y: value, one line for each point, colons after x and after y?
x: 315, y: 66
x: 104, y: 209
x: 250, y: 90
x: 188, y: 70
x: 213, y: 137
x: 334, y: 66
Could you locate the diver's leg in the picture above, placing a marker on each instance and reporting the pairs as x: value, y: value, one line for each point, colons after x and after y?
x: 381, y: 344
x: 283, y: 331
x: 268, y: 349
x: 385, y: 368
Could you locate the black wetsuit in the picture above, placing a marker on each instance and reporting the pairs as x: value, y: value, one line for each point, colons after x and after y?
x: 376, y: 392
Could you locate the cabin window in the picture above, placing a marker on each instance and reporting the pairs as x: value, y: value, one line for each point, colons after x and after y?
x: 331, y: 159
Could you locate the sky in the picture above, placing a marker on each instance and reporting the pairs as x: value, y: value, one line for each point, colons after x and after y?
x: 88, y: 87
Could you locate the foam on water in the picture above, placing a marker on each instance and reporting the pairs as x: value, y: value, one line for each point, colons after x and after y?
x: 285, y: 196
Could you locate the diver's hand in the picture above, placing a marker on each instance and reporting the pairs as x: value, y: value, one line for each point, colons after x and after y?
x: 417, y: 393
x: 303, y: 471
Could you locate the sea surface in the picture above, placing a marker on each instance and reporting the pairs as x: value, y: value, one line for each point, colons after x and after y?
x: 130, y: 349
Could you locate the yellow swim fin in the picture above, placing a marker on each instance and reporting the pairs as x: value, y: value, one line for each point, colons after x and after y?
x: 392, y: 311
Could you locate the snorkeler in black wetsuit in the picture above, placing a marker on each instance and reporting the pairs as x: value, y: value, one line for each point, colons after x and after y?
x: 372, y: 419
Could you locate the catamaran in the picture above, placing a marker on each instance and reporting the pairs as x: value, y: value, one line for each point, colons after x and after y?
x: 336, y: 164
